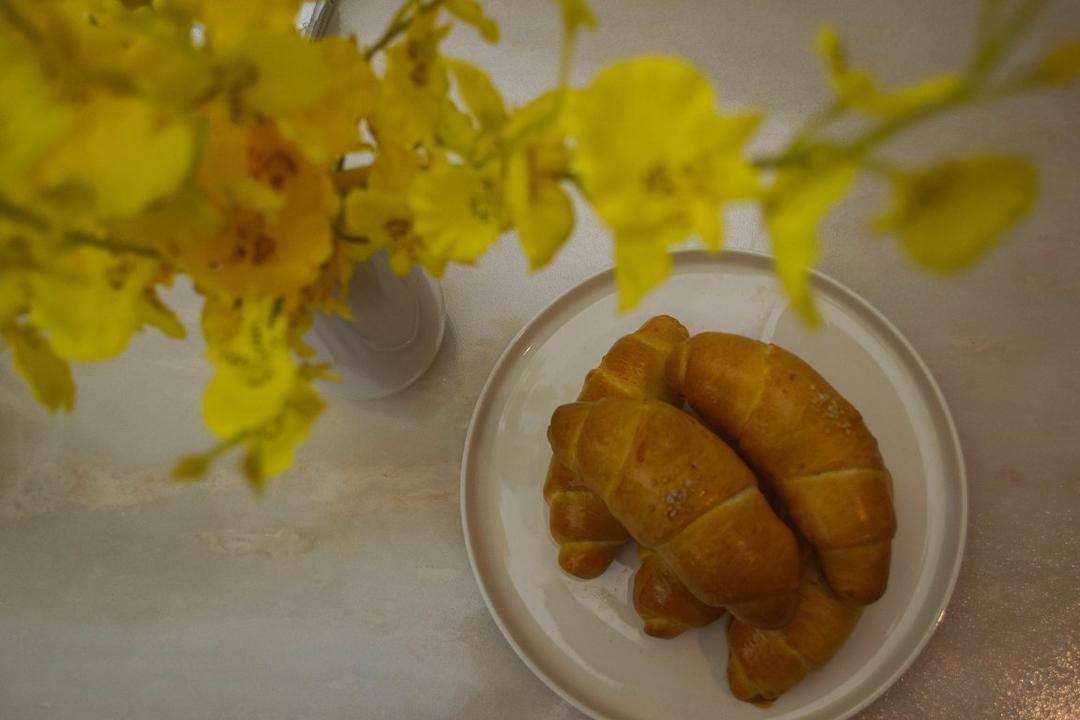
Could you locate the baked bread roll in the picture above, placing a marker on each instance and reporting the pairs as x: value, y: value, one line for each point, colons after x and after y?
x: 588, y: 536
x: 680, y: 490
x: 807, y: 442
x: 763, y: 664
x: 664, y: 603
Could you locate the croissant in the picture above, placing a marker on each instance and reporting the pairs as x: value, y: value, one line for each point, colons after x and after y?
x: 664, y: 603
x: 806, y: 442
x: 679, y: 489
x: 763, y: 664
x: 588, y: 536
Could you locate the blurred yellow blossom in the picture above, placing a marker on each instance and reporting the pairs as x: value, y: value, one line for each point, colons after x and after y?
x: 413, y: 86
x: 147, y: 140
x: 271, y: 447
x: 1061, y: 65
x: 275, y: 208
x: 253, y: 369
x: 480, y: 95
x: 856, y: 89
x: 91, y: 301
x: 229, y: 21
x: 378, y: 215
x: 318, y: 92
x: 538, y: 207
x: 458, y: 211
x: 794, y: 207
x: 121, y: 156
x: 655, y: 157
x: 948, y: 215
x: 48, y: 375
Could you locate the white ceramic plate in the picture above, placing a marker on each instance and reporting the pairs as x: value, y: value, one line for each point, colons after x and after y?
x: 583, y: 638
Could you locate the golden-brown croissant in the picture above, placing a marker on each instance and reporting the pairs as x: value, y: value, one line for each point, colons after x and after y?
x: 762, y: 664
x: 589, y: 537
x: 679, y: 489
x: 807, y: 442
x: 664, y: 603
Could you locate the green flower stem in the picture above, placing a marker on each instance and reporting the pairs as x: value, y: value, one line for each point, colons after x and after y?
x: 817, y: 123
x: 398, y: 25
x: 993, y: 48
x: 881, y: 167
x: 989, y: 14
x: 995, y: 40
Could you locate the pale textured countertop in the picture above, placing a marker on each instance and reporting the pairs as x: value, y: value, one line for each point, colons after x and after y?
x: 346, y: 593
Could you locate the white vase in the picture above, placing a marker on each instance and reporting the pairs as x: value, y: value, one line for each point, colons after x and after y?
x: 395, y: 332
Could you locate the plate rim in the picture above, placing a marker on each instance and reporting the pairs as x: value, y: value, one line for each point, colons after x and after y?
x: 678, y: 257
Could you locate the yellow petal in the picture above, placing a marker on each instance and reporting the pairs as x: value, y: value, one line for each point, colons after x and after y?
x: 191, y: 467
x: 794, y: 208
x: 950, y: 214
x: 455, y: 131
x: 37, y: 120
x: 394, y: 168
x: 289, y: 70
x: 479, y: 93
x: 640, y: 266
x: 91, y: 301
x: 318, y: 91
x: 124, y: 154
x: 230, y: 21
x: 413, y: 86
x: 470, y: 12
x: 1061, y: 65
x: 277, y: 213
x: 374, y: 219
x: 706, y: 223
x: 47, y: 374
x: 220, y: 321
x: 540, y: 211
x: 13, y: 295
x: 156, y: 313
x: 458, y: 211
x: 275, y: 444
x: 253, y: 370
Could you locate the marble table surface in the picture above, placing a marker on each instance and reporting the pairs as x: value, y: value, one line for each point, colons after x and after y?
x: 346, y: 592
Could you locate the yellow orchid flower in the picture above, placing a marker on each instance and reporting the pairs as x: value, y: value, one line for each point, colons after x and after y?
x: 91, y: 301
x: 458, y: 211
x: 378, y: 215
x: 271, y: 448
x: 275, y: 208
x: 949, y: 214
x: 654, y: 156
x: 123, y: 153
x: 253, y: 370
x: 414, y: 86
